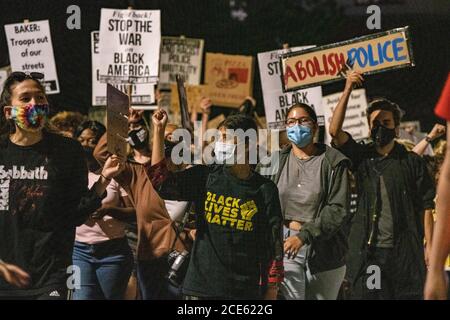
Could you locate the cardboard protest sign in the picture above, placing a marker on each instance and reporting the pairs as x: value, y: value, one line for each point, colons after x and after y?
x: 141, y: 93
x: 180, y: 56
x: 276, y: 102
x: 182, y: 98
x: 194, y: 94
x: 368, y: 54
x: 117, y: 124
x: 355, y: 121
x: 129, y: 45
x: 30, y: 50
x: 229, y: 78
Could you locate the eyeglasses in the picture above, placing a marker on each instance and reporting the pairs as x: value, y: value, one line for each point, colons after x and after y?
x: 20, y: 76
x: 290, y: 122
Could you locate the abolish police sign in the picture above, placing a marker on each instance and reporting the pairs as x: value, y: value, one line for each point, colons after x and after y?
x: 276, y: 103
x: 129, y: 45
x: 180, y: 56
x: 30, y: 50
x: 369, y: 54
x: 141, y: 93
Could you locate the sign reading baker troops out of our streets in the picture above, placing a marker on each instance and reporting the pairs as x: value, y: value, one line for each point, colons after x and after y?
x: 129, y: 45
x: 368, y: 54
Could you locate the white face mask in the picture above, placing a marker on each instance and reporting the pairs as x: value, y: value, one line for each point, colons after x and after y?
x: 224, y: 151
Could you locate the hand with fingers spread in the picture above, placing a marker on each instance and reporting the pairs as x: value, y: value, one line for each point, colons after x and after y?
x: 114, y: 165
x: 14, y: 275
x: 354, y: 79
x: 292, y: 246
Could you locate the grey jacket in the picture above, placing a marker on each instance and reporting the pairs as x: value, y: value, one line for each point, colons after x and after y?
x: 327, y: 233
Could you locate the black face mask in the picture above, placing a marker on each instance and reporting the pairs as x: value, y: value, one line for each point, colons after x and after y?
x: 92, y: 164
x: 381, y: 135
x: 138, y: 138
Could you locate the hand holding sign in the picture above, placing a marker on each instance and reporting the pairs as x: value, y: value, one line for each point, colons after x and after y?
x: 354, y: 80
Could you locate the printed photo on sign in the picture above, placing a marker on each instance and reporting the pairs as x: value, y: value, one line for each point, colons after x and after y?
x: 368, y: 55
x: 141, y: 93
x: 355, y: 121
x: 182, y: 56
x: 30, y: 50
x: 129, y: 45
x: 276, y: 102
x: 229, y: 78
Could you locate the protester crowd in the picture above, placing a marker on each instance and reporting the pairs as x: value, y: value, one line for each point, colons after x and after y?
x: 77, y: 222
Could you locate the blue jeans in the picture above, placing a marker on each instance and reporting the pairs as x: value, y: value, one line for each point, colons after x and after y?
x: 300, y: 284
x: 153, y: 282
x: 105, y: 269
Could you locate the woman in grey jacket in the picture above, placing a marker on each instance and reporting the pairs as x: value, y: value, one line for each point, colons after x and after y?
x: 314, y: 193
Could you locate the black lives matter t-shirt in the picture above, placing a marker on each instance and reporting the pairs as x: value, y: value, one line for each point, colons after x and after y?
x: 235, y: 221
x: 40, y: 191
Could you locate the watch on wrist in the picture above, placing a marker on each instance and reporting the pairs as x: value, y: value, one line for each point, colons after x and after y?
x: 428, y: 139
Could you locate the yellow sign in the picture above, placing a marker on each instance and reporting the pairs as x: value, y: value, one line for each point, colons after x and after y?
x: 229, y: 78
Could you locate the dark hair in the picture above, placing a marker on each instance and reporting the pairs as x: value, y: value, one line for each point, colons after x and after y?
x: 311, y: 113
x: 98, y: 129
x: 238, y: 121
x: 386, y: 105
x: 8, y: 127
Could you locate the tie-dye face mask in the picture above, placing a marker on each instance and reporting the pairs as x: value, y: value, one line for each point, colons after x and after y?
x: 31, y: 117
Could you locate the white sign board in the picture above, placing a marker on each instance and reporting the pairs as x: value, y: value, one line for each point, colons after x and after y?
x: 30, y: 50
x: 141, y: 93
x: 129, y: 45
x: 355, y: 121
x: 180, y: 56
x: 276, y: 103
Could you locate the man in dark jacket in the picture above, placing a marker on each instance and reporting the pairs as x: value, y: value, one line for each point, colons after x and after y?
x: 386, y: 254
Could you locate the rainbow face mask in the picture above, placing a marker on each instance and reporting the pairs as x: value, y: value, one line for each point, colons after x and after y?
x: 32, y: 117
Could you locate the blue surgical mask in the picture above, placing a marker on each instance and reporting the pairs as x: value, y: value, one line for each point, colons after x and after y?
x: 300, y: 135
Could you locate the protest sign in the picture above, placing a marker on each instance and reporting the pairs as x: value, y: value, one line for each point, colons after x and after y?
x: 368, y: 54
x: 194, y: 93
x: 180, y: 56
x: 276, y: 103
x: 184, y: 108
x: 117, y: 124
x: 355, y: 121
x: 229, y: 78
x: 141, y: 93
x: 30, y: 50
x: 129, y: 45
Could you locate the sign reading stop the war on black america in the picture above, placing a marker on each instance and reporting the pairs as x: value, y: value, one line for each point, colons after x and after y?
x: 129, y: 45
x: 142, y: 94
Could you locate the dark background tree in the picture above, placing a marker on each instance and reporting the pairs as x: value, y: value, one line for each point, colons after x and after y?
x: 251, y: 26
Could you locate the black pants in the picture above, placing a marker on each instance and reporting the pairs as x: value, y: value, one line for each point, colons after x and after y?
x: 382, y: 258
x: 57, y: 292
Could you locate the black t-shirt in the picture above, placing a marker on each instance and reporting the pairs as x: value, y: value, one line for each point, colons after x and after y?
x: 235, y: 221
x: 40, y: 191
